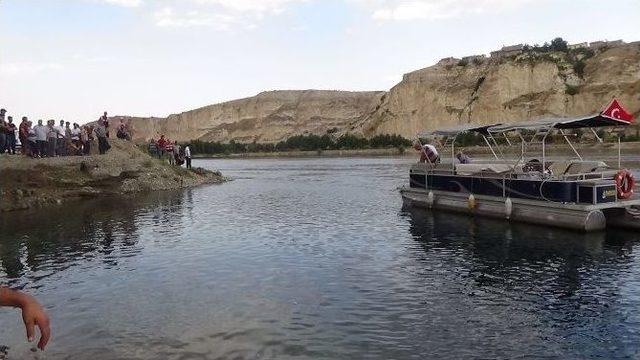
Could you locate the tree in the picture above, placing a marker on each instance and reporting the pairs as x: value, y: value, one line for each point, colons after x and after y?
x: 558, y: 44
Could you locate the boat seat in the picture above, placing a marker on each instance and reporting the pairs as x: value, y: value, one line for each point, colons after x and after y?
x: 584, y: 167
x: 473, y: 169
x: 560, y: 167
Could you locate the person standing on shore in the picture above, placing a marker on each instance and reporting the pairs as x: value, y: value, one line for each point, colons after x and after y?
x: 176, y: 154
x: 60, y: 143
x: 101, y: 134
x: 169, y: 149
x: 32, y: 314
x: 85, y: 139
x: 41, y: 138
x: 105, y: 122
x: 75, y: 137
x: 187, y: 156
x: 32, y: 141
x: 23, y: 134
x: 162, y: 143
x: 11, y: 136
x: 52, y: 138
x: 3, y: 136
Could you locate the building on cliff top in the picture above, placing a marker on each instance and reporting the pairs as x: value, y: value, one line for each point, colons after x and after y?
x: 448, y: 61
x: 508, y: 51
x: 578, y: 46
x: 596, y: 45
x: 474, y: 58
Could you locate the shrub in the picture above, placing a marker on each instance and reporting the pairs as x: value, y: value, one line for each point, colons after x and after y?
x: 478, y: 61
x: 578, y: 68
x: 570, y: 89
x: 463, y: 62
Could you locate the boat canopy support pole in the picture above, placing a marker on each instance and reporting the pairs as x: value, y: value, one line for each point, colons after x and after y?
x: 596, y: 135
x: 453, y: 154
x: 566, y: 138
x: 490, y: 147
x: 619, y: 153
x: 544, y: 152
x: 507, y: 138
x: 497, y: 145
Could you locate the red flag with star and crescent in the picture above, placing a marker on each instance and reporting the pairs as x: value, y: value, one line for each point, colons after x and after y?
x: 616, y: 112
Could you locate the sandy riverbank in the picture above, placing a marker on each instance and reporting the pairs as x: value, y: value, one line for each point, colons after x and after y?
x: 27, y: 183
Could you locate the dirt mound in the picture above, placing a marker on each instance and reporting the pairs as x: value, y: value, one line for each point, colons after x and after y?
x: 26, y: 182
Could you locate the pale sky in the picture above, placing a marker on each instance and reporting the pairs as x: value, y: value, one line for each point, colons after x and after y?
x: 73, y: 59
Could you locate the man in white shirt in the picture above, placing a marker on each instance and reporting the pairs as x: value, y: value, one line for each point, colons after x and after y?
x: 428, y: 153
x: 41, y: 138
x: 187, y: 156
x: 75, y: 136
x: 60, y: 148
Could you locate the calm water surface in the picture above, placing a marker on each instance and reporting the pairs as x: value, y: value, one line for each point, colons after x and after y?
x: 314, y: 258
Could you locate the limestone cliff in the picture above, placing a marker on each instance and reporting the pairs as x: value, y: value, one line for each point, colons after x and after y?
x: 515, y: 89
x: 268, y: 117
x: 519, y: 87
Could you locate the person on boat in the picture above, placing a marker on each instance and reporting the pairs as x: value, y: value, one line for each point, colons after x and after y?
x: 463, y: 158
x: 428, y: 153
x: 32, y: 314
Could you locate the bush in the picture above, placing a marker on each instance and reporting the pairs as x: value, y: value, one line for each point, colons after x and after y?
x: 578, y: 68
x: 570, y: 89
x: 463, y: 62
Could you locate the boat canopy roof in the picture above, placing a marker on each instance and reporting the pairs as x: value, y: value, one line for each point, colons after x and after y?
x: 482, y: 129
x: 612, y: 115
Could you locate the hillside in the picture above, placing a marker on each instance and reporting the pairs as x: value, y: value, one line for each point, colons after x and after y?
x: 268, y: 117
x: 526, y: 85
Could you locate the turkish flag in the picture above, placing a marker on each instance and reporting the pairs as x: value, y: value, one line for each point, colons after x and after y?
x: 616, y: 112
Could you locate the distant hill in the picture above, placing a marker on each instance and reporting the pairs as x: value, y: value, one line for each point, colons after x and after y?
x: 515, y: 84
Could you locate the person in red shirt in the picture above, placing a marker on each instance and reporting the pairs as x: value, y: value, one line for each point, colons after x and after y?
x: 23, y: 134
x: 162, y: 144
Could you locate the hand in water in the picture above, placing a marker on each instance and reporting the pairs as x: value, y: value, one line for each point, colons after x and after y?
x: 33, y: 315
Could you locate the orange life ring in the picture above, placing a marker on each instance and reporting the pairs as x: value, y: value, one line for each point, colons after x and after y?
x: 625, y: 182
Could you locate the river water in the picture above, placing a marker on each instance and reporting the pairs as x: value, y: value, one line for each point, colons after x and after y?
x: 313, y: 258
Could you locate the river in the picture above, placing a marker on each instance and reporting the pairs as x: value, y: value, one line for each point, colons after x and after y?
x: 313, y: 258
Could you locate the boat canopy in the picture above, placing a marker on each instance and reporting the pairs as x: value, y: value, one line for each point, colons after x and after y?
x: 481, y: 129
x: 612, y: 115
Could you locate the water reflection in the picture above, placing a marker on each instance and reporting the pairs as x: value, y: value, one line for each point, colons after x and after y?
x: 39, y: 243
x: 575, y: 285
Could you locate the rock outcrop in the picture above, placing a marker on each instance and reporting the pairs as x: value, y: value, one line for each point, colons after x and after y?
x: 520, y: 87
x: 268, y: 117
x: 516, y: 89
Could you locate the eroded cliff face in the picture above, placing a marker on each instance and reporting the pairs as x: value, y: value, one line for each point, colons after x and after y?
x: 526, y: 87
x: 508, y: 90
x: 268, y: 117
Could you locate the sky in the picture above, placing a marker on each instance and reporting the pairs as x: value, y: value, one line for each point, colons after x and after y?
x: 74, y: 59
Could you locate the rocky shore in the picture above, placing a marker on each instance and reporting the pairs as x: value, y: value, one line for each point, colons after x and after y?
x: 26, y: 183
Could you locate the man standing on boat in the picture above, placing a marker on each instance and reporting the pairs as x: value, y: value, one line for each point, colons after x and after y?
x: 428, y: 153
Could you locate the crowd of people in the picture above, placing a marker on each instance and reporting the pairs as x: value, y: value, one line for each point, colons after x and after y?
x: 51, y: 140
x: 164, y: 148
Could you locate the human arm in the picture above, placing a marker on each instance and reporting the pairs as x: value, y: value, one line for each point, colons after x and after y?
x: 32, y: 314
